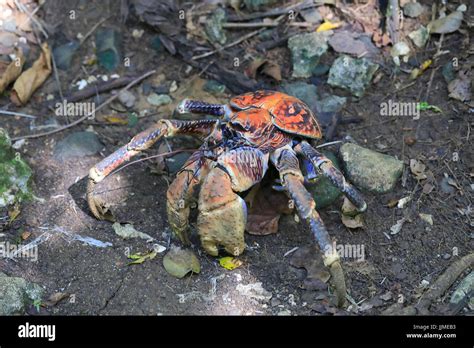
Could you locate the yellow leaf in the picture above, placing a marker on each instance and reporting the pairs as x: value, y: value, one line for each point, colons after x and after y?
x: 14, y: 212
x: 327, y: 25
x: 31, y: 79
x: 139, y: 259
x: 116, y: 120
x: 12, y: 70
x: 230, y: 263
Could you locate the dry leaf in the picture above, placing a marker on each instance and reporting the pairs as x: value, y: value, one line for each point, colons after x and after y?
x: 460, y: 88
x: 265, y: 207
x: 427, y: 218
x: 447, y: 24
x: 31, y: 79
x: 266, y: 66
x: 25, y: 235
x: 12, y: 70
x: 418, y: 169
x: 351, y: 217
x: 397, y: 227
x: 230, y: 263
x: 116, y: 120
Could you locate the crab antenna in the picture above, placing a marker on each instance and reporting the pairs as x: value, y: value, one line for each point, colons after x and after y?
x: 200, y: 107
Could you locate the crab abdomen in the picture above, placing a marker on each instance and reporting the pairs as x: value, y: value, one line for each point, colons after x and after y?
x: 288, y: 113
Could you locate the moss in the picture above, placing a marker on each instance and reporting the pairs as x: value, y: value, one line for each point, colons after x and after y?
x: 15, y: 174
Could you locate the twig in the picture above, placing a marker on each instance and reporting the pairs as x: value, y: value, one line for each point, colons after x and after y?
x: 108, y: 101
x: 4, y: 112
x: 233, y: 25
x: 236, y: 42
x: 89, y: 33
x: 275, y: 12
x: 97, y: 88
x: 440, y: 42
x: 22, y: 8
x: 329, y: 144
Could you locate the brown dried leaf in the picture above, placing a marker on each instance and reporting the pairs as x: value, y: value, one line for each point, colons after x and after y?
x: 55, y: 298
x: 31, y: 79
x: 265, y: 208
x: 9, y: 73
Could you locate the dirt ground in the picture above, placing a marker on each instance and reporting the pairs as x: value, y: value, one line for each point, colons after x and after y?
x: 103, y: 284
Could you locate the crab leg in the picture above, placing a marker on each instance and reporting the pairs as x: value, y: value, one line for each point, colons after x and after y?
x: 140, y: 142
x: 286, y: 162
x: 201, y: 107
x: 327, y: 168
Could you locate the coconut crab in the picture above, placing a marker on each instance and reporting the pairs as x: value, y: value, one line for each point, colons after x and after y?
x: 254, y: 130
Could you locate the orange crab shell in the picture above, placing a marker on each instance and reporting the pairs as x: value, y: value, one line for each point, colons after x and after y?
x: 289, y: 114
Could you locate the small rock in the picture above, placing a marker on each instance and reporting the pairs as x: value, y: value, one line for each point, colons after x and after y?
x: 370, y: 170
x: 311, y: 15
x: 176, y: 162
x: 331, y: 103
x: 108, y: 46
x: 173, y: 87
x: 413, y: 9
x: 321, y: 70
x: 256, y: 5
x: 213, y: 26
x: 323, y: 191
x: 275, y: 302
x: 127, y: 99
x: 17, y: 294
x: 63, y: 54
x: 15, y: 174
x: 410, y: 140
x: 179, y: 262
x: 137, y: 33
x: 449, y: 72
x: 353, y: 43
x: 214, y: 87
x: 78, y: 144
x: 465, y: 287
x: 255, y: 291
x: 400, y: 49
x: 419, y: 36
x: 445, y: 185
x: 158, y: 99
x: 352, y: 74
x: 303, y: 91
x: 9, y: 25
x: 127, y: 231
x: 285, y: 312
x: 306, y: 51
x: 446, y: 256
x: 156, y: 44
x: 8, y: 39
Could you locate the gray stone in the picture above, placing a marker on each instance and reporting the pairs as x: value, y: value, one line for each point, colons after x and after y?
x: 214, y: 87
x: 306, y: 51
x: 449, y: 73
x: 419, y: 36
x: 16, y: 293
x: 464, y: 288
x: 331, y: 103
x: 352, y: 74
x: 63, y: 54
x: 256, y: 5
x: 323, y: 191
x: 108, y: 44
x: 311, y: 15
x: 304, y: 91
x: 15, y: 174
x: 158, y: 99
x: 127, y: 99
x: 413, y: 9
x: 370, y: 170
x: 213, y: 26
x: 78, y: 144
